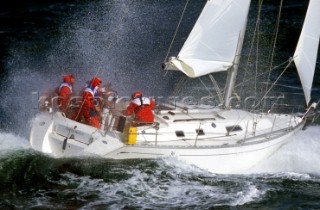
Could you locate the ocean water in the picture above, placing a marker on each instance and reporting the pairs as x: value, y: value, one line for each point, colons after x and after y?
x: 289, y: 179
x: 124, y: 42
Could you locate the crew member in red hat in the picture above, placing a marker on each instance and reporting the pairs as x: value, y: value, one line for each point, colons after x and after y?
x: 141, y: 107
x: 65, y: 93
x: 90, y: 107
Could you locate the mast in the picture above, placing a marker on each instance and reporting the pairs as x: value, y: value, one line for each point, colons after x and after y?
x: 232, y: 72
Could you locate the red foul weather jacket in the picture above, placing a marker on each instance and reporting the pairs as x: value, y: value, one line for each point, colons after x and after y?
x: 142, y: 108
x: 89, y: 108
x: 64, y: 93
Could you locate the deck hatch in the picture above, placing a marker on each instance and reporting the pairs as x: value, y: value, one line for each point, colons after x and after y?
x: 180, y: 133
x: 234, y: 128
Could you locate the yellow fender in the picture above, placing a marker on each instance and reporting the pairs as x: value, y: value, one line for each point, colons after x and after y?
x: 132, y: 135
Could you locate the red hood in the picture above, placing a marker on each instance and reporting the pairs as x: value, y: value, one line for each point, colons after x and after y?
x: 137, y: 94
x: 95, y: 81
x: 68, y: 78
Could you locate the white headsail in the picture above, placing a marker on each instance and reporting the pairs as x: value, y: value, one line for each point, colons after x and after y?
x: 212, y: 43
x: 305, y: 56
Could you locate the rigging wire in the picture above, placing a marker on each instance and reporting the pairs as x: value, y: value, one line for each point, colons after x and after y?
x: 251, y: 49
x: 274, y: 45
x: 216, y: 86
x: 177, y: 28
x: 182, y: 81
x: 176, y: 31
x: 273, y: 84
x: 257, y: 47
x: 261, y: 74
x: 276, y: 36
x: 256, y: 40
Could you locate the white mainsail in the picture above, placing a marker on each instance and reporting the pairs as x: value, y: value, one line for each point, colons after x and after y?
x: 305, y: 56
x: 212, y: 43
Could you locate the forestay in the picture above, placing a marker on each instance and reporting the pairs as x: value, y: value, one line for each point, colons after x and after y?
x: 212, y: 43
x: 305, y: 56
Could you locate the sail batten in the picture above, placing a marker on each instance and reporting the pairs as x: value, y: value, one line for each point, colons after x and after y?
x: 212, y: 43
x: 305, y: 56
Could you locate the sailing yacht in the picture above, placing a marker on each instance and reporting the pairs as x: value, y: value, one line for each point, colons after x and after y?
x: 221, y: 138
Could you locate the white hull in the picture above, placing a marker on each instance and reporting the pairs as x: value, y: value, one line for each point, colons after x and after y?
x: 226, y: 160
x: 220, y: 151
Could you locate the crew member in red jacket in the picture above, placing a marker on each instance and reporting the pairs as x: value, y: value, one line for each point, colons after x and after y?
x: 141, y: 107
x: 65, y: 92
x: 90, y: 107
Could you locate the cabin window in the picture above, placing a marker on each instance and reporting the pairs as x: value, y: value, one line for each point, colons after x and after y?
x: 234, y: 128
x: 199, y: 132
x: 180, y: 133
x: 166, y: 117
x: 213, y: 125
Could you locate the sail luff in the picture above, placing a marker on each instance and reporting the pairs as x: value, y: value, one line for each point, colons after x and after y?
x: 305, y: 56
x: 213, y: 41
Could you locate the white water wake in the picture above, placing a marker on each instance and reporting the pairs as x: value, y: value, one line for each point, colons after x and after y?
x: 300, y: 155
x: 9, y: 142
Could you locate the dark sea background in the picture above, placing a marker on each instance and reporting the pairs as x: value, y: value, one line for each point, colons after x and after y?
x: 124, y: 42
